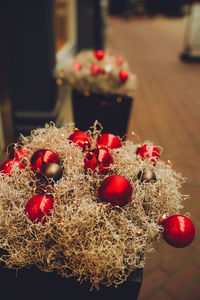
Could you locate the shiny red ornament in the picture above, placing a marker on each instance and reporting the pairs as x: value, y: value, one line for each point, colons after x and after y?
x: 98, y: 159
x: 123, y: 76
x: 109, y: 140
x: 77, y: 66
x: 95, y: 70
x: 148, y: 151
x: 116, y: 190
x: 38, y: 207
x: 119, y: 60
x: 18, y: 153
x: 41, y: 158
x: 179, y: 231
x: 99, y: 54
x: 81, y: 139
x: 10, y: 164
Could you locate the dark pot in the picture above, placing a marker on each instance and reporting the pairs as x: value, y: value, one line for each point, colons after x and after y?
x: 42, y: 285
x: 112, y: 111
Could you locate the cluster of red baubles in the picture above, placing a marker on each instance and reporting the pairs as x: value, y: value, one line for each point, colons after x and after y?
x: 99, y: 158
x: 178, y: 230
x: 96, y: 70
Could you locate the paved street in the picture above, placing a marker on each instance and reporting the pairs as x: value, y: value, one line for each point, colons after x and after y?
x: 166, y: 111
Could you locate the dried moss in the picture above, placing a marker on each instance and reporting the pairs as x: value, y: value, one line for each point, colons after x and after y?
x: 106, y: 83
x: 83, y: 237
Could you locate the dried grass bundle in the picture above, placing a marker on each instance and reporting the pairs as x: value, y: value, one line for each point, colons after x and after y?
x: 107, y: 82
x: 84, y: 237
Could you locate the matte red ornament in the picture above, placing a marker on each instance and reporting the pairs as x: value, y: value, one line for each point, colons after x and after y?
x: 179, y: 231
x: 123, y: 76
x: 95, y: 70
x: 148, y: 151
x: 109, y: 140
x: 116, y: 190
x: 99, y: 54
x: 77, y: 66
x: 98, y: 159
x: 38, y: 207
x: 8, y: 166
x: 41, y: 158
x: 81, y: 139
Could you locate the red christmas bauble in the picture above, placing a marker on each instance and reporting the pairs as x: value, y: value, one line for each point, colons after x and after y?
x: 41, y: 158
x: 109, y: 140
x: 99, y: 54
x: 116, y: 190
x: 77, y: 66
x: 95, y: 70
x: 17, y: 151
x: 20, y: 153
x: 10, y: 164
x: 38, y: 207
x: 148, y: 151
x: 81, y: 139
x: 119, y: 60
x: 98, y: 159
x: 179, y: 231
x: 123, y: 76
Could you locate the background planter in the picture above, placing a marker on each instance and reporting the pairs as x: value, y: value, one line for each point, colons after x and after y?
x: 112, y: 111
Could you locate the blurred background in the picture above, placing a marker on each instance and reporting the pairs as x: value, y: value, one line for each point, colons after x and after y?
x: 161, y: 41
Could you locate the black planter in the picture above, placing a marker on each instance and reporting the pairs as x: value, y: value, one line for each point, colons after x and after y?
x: 42, y: 285
x: 112, y: 111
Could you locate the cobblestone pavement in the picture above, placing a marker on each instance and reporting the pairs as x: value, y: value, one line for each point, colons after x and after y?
x: 166, y: 111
